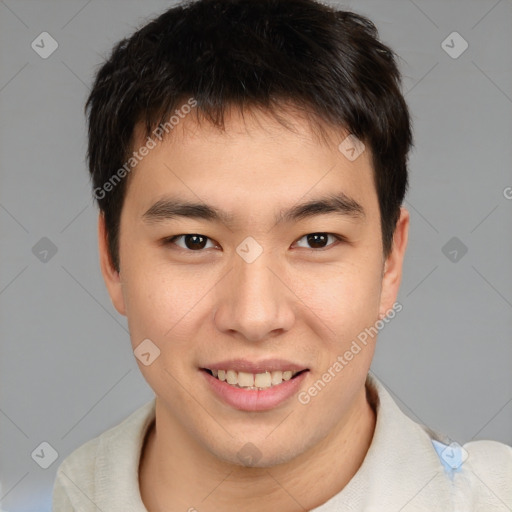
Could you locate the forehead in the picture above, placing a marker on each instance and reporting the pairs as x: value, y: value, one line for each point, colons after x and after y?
x: 254, y: 158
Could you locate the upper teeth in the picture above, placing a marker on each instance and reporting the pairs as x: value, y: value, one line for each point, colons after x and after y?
x: 253, y: 380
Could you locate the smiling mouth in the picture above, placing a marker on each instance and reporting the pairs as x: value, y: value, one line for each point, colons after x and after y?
x: 253, y: 381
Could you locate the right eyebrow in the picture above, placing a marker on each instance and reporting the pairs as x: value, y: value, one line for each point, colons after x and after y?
x: 170, y: 208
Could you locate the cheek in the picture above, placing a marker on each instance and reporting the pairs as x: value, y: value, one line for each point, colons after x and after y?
x: 345, y: 297
x: 164, y: 305
x: 160, y: 309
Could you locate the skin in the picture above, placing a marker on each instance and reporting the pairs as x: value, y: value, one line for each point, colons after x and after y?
x: 295, y: 302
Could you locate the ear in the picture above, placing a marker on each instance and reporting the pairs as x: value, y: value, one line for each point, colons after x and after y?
x: 110, y: 274
x: 392, y: 274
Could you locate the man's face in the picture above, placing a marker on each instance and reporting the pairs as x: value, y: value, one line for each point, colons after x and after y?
x: 252, y: 292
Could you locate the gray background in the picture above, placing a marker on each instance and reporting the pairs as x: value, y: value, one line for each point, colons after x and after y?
x: 67, y: 372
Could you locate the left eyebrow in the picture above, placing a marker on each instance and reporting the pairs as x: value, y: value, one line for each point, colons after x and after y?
x: 171, y: 208
x: 339, y: 204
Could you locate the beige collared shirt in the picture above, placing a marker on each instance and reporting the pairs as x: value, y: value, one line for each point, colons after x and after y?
x: 407, y: 468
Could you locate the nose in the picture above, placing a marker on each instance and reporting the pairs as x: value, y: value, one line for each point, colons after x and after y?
x: 255, y: 301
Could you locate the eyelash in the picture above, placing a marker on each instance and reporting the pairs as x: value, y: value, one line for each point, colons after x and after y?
x: 338, y: 238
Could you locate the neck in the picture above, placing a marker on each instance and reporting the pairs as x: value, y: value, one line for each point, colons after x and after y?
x: 177, y: 473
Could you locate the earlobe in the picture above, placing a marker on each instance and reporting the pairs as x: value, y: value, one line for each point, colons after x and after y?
x: 111, y: 276
x: 393, y: 265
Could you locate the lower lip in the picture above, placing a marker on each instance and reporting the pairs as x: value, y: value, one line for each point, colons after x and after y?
x: 254, y: 399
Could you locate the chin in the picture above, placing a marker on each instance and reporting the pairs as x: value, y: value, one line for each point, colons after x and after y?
x: 258, y: 453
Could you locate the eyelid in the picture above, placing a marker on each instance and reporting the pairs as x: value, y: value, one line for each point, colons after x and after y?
x: 171, y: 240
x: 339, y: 238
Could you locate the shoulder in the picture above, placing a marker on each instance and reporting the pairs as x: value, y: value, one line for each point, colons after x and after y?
x: 439, y: 473
x: 88, y: 472
x: 489, y: 454
x: 75, y: 477
x: 490, y: 465
x: 481, y: 474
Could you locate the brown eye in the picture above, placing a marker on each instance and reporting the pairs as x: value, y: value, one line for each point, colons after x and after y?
x: 317, y: 240
x: 192, y: 242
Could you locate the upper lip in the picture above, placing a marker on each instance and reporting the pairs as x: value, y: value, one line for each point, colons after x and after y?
x: 267, y: 365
